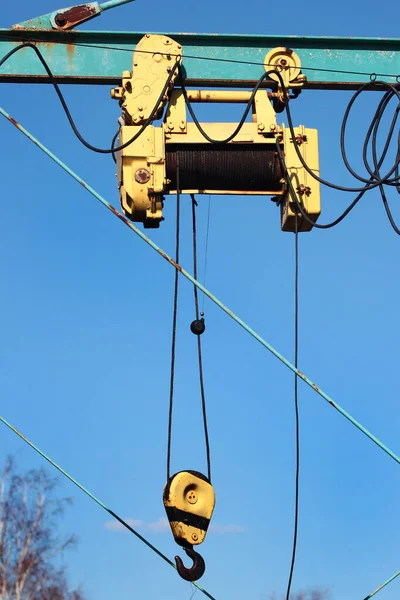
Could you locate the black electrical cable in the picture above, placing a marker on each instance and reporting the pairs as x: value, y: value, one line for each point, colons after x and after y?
x: 199, y: 350
x: 298, y: 204
x: 296, y: 405
x: 113, y: 142
x: 375, y: 179
x: 147, y: 122
x: 174, y: 322
x: 242, y: 120
x: 373, y: 129
x: 368, y: 186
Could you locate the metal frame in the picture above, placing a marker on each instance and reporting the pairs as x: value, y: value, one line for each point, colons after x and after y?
x: 214, y: 60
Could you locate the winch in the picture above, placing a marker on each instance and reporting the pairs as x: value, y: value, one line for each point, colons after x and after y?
x: 154, y: 160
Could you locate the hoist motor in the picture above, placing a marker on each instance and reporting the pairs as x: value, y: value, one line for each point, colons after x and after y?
x: 156, y: 160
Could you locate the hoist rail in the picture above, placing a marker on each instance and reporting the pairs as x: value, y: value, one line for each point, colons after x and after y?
x: 216, y: 60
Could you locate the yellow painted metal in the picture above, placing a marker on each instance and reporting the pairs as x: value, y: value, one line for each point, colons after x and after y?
x: 307, y: 188
x: 189, y: 501
x: 288, y: 63
x: 141, y: 174
x: 153, y: 59
x: 142, y: 169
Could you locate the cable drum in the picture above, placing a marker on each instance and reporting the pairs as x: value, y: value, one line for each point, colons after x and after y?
x: 224, y: 167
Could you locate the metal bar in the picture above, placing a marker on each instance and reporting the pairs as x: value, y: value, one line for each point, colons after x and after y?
x: 113, y: 4
x: 226, y: 96
x: 382, y: 586
x: 99, y: 57
x: 200, y: 287
x: 99, y: 502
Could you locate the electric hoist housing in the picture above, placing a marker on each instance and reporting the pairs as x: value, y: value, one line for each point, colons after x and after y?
x: 149, y: 167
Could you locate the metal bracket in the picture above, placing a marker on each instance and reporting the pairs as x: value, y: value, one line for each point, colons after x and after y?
x: 67, y: 18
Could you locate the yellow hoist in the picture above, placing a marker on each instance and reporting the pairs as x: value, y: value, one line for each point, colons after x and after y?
x: 247, y: 165
x: 178, y: 156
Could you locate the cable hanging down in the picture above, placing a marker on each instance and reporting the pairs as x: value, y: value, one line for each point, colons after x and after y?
x: 201, y: 287
x: 199, y: 349
x: 174, y: 328
x: 205, y: 291
x: 296, y: 404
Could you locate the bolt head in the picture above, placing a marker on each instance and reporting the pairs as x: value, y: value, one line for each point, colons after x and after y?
x: 195, y: 537
x: 142, y: 176
x: 191, y: 497
x: 60, y: 20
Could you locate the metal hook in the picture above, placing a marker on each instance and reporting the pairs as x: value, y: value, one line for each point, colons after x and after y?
x: 196, y: 571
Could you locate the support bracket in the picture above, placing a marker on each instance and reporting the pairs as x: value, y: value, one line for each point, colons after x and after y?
x: 67, y: 18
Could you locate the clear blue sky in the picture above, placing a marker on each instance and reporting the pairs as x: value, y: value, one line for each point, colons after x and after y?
x: 85, y: 324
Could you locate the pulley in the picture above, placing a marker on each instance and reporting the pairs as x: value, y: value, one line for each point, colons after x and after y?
x: 189, y: 502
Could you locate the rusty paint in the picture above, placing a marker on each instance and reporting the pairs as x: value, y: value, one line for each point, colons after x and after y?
x: 14, y: 122
x: 300, y: 374
x: 170, y: 260
x: 71, y: 51
x: 75, y: 15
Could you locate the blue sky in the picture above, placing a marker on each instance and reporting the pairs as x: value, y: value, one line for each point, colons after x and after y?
x: 85, y: 322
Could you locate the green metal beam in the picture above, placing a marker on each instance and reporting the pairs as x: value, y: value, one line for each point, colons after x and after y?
x: 99, y: 57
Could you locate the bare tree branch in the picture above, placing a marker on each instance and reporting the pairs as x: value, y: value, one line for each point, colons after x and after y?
x: 29, y: 514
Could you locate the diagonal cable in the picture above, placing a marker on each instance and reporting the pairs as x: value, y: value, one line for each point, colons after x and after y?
x: 378, y: 589
x: 99, y: 502
x: 218, y: 302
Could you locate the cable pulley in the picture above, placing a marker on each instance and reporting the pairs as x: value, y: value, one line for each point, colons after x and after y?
x: 188, y: 497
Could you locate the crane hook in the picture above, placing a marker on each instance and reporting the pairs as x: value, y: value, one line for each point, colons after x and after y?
x: 196, y: 570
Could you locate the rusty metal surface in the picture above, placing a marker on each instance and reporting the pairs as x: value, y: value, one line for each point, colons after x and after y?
x: 76, y: 15
x: 209, y: 60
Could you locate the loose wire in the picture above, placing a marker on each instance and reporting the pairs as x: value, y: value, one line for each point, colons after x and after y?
x: 243, y: 118
x: 113, y: 149
x: 199, y: 349
x: 296, y: 403
x: 174, y: 321
x: 369, y: 185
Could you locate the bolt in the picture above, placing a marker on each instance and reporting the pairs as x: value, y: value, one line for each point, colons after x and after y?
x: 60, y: 20
x: 142, y: 175
x: 283, y: 62
x: 191, y: 497
x: 303, y: 189
x: 272, y: 127
x: 261, y: 127
x: 195, y: 537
